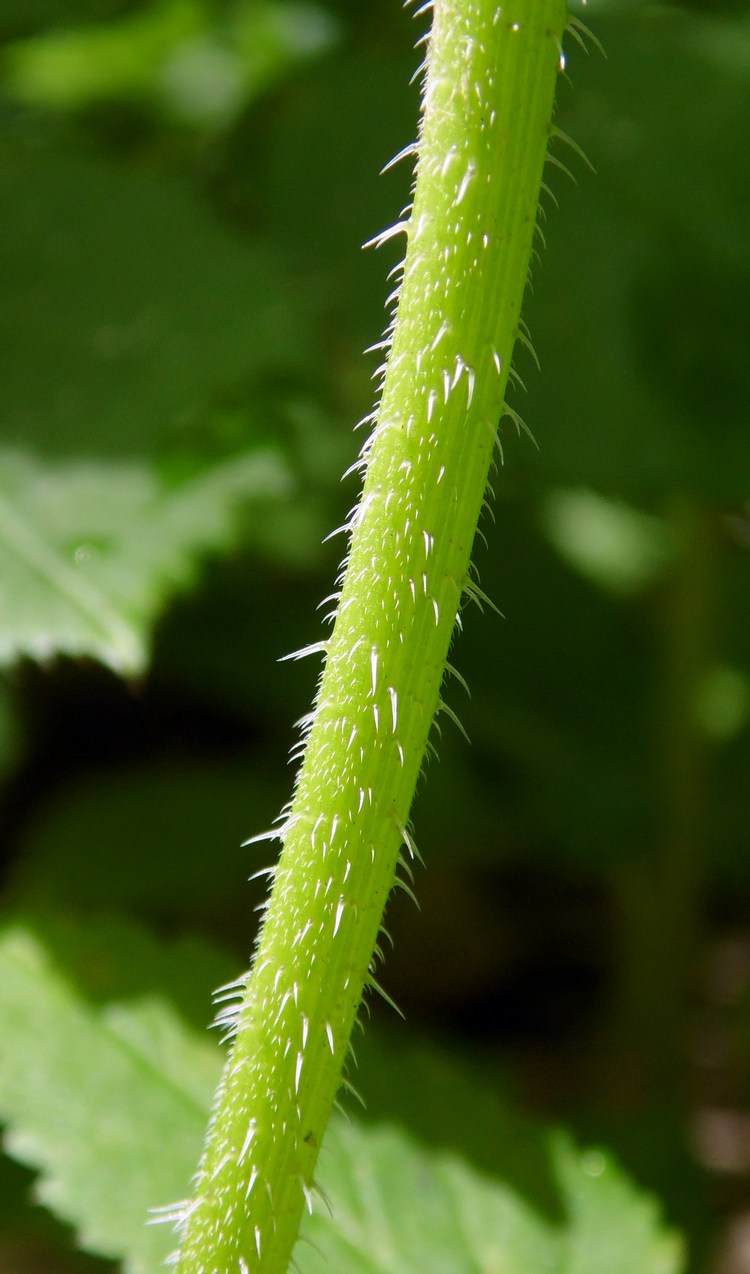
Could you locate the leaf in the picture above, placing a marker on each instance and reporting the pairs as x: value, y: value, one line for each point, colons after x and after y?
x: 174, y: 54
x: 459, y: 1109
x: 314, y: 198
x: 108, y: 958
x: 90, y: 552
x: 395, y: 1207
x: 640, y: 309
x: 617, y: 547
x: 129, y: 310
x: 109, y: 1107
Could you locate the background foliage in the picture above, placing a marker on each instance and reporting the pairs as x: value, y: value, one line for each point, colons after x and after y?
x: 185, y: 186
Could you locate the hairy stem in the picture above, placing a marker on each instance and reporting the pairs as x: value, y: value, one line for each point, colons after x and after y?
x: 487, y: 109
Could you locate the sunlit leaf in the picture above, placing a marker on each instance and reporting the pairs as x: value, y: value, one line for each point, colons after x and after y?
x: 91, y: 552
x: 108, y: 1107
x: 394, y: 1206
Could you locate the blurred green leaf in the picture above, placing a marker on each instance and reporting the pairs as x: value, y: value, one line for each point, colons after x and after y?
x: 129, y: 310
x: 109, y: 1107
x: 69, y: 67
x: 313, y: 190
x: 90, y: 552
x: 642, y: 305
x: 723, y: 707
x: 610, y: 543
x: 110, y: 958
x: 396, y: 1207
x: 173, y: 54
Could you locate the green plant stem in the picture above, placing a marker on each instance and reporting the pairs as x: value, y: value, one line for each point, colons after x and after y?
x: 487, y: 110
